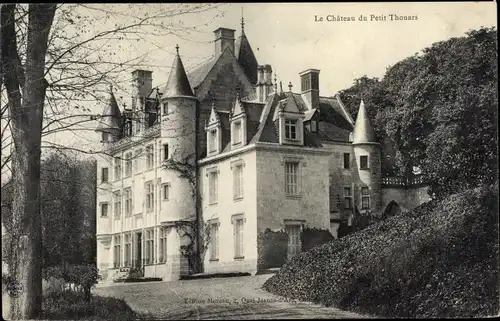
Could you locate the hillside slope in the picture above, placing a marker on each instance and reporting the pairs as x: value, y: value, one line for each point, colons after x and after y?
x: 439, y: 260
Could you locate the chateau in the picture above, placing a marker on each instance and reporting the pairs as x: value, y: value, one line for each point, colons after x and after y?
x: 225, y: 147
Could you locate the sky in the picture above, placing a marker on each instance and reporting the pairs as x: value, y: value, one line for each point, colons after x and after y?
x: 291, y: 38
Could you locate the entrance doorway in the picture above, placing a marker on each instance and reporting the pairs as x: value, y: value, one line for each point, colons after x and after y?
x: 138, y: 250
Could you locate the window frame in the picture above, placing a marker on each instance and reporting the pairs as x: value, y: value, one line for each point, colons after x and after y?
x: 361, y: 162
x: 213, y: 187
x: 365, y: 197
x: 347, y: 160
x: 214, y: 240
x: 162, y: 239
x: 293, y: 243
x: 149, y: 192
x: 212, y: 136
x: 149, y: 248
x: 117, y: 168
x: 289, y: 124
x: 127, y: 193
x: 128, y: 164
x: 165, y: 187
x: 165, y: 152
x: 127, y: 249
x: 117, y: 261
x: 238, y: 222
x: 104, y: 178
x: 237, y: 135
x: 294, y: 182
x: 117, y: 204
x: 106, y: 204
x: 238, y: 185
x: 150, y: 156
x: 349, y: 197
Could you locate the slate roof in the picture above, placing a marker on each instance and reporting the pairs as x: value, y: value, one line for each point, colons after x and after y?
x: 363, y: 130
x: 244, y: 53
x: 197, y: 75
x: 178, y: 83
x: 111, y: 117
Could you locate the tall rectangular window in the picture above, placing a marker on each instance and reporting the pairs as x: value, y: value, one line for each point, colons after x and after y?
x: 150, y: 154
x: 214, y: 241
x: 118, y: 204
x: 149, y: 257
x: 163, y: 245
x: 212, y: 187
x: 149, y: 197
x: 128, y: 164
x: 290, y: 129
x: 347, y: 160
x: 347, y: 198
x: 363, y: 162
x: 237, y: 132
x: 104, y: 209
x: 291, y: 178
x: 365, y: 198
x: 128, y: 202
x: 294, y: 243
x: 238, y: 182
x: 165, y: 152
x: 104, y: 174
x: 238, y: 238
x: 165, y: 108
x: 128, y: 250
x: 137, y: 160
x: 165, y: 191
x: 118, y: 168
x: 117, y: 251
x: 212, y: 140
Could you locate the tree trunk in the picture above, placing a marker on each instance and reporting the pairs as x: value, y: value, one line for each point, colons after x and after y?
x: 26, y: 118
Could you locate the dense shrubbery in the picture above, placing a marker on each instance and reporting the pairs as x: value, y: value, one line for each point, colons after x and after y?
x: 440, y: 259
x: 82, y: 277
x: 273, y: 245
x: 312, y: 237
x: 70, y: 305
x: 272, y: 249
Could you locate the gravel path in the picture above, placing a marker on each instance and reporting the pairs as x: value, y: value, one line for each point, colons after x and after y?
x: 217, y: 298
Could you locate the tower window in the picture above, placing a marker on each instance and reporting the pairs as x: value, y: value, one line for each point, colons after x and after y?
x: 363, y: 162
x: 347, y: 160
x: 105, y: 137
x: 104, y: 174
x: 347, y: 198
x: 165, y: 152
x: 365, y: 198
x: 165, y: 109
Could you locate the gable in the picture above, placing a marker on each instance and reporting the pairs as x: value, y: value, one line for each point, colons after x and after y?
x: 237, y: 109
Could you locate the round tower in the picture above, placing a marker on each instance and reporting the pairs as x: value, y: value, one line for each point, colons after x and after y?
x: 109, y: 127
x: 178, y: 135
x: 368, y: 192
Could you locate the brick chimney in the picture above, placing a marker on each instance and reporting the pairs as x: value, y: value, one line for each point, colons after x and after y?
x: 223, y: 38
x: 142, y: 83
x: 268, y: 81
x: 309, y: 80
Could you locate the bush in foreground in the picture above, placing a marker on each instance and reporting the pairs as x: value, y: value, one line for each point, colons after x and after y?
x: 70, y: 305
x: 439, y: 260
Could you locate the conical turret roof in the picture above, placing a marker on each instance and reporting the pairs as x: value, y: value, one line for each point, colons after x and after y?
x: 363, y: 130
x: 178, y: 83
x: 244, y: 53
x: 111, y: 116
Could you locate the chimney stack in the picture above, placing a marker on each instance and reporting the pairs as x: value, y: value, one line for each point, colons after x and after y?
x: 268, y: 82
x: 224, y: 38
x: 142, y: 84
x: 309, y: 80
x: 259, y: 86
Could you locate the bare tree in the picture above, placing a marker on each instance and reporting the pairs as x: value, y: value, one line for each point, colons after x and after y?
x: 53, y: 56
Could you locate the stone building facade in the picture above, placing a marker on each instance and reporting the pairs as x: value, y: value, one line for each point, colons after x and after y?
x: 222, y: 151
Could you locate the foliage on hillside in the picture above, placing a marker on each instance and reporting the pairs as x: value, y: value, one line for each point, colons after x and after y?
x: 438, y: 110
x: 438, y: 260
x: 68, y: 210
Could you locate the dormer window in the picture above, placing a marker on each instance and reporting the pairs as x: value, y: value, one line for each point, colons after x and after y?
x: 314, y: 126
x: 237, y: 133
x: 291, y: 129
x: 212, y: 144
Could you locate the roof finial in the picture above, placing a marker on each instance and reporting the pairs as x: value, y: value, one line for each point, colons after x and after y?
x: 242, y: 20
x: 290, y: 86
x: 177, y: 48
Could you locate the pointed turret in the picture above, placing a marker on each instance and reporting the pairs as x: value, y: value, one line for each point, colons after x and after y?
x: 111, y: 117
x: 244, y: 53
x: 178, y: 83
x: 363, y: 130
